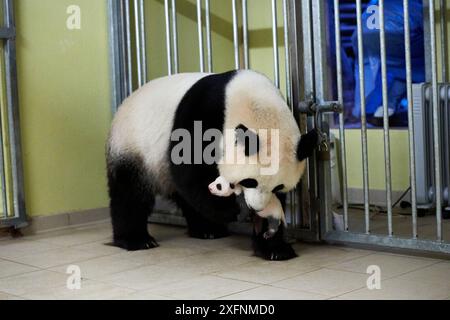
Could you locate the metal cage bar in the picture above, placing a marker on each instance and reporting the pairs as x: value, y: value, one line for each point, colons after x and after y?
x: 340, y: 93
x: 436, y: 123
x: 18, y: 218
x: 245, y: 33
x: 443, y: 32
x: 128, y: 47
x: 168, y: 39
x: 288, y: 79
x: 412, y: 159
x: 176, y: 63
x: 387, y: 144
x: 235, y: 35
x: 200, y: 36
x: 209, y: 55
x: 276, y: 58
x: 362, y: 94
x: 138, y: 39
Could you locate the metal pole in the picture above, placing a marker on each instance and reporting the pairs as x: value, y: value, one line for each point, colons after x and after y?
x: 129, y: 58
x: 412, y: 159
x: 245, y: 33
x: 168, y: 43
x: 143, y: 41
x: 387, y: 145
x: 436, y: 124
x: 123, y: 52
x: 287, y: 58
x: 12, y: 98
x: 137, y: 25
x: 337, y: 31
x: 276, y: 59
x: 444, y: 54
x: 363, y: 115
x: 176, y: 63
x: 200, y: 35
x: 235, y: 35
x: 208, y: 36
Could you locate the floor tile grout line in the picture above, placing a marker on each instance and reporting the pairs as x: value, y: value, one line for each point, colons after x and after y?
x: 390, y: 277
x: 237, y: 292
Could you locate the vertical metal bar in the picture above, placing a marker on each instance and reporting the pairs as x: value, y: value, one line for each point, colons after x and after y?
x: 200, y: 35
x: 13, y: 118
x: 123, y: 50
x: 4, y: 200
x: 138, y: 38
x: 362, y: 93
x: 143, y: 41
x: 436, y: 123
x: 128, y: 37
x: 337, y: 31
x: 208, y: 36
x: 321, y: 76
x: 309, y: 185
x: 276, y: 59
x: 115, y: 53
x: 412, y: 159
x: 235, y: 35
x: 168, y: 43
x: 288, y: 75
x: 245, y: 33
x: 387, y: 145
x: 176, y: 63
x: 444, y: 54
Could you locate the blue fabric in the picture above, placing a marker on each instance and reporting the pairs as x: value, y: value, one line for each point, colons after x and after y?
x: 395, y: 56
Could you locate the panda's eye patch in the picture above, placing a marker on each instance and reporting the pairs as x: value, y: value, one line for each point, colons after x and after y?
x: 249, y: 183
x: 219, y: 187
x: 232, y: 185
x: 278, y: 188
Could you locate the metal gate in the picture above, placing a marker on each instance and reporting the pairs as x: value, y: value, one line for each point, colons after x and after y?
x: 314, y: 91
x: 12, y: 201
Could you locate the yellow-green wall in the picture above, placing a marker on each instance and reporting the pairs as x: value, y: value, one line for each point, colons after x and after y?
x: 64, y: 99
x: 64, y: 94
x: 222, y: 41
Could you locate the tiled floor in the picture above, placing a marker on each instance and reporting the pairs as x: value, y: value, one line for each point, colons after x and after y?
x: 34, y: 267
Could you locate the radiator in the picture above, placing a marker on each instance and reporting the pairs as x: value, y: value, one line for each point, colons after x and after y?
x: 424, y: 143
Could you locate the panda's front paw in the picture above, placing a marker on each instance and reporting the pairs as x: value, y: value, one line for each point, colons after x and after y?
x: 136, y: 245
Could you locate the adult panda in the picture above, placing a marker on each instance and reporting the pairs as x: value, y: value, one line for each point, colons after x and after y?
x: 145, y: 136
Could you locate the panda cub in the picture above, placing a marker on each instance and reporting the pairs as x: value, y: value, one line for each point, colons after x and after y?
x: 273, y: 212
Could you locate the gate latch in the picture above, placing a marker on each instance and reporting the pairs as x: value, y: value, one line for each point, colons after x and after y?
x: 311, y: 108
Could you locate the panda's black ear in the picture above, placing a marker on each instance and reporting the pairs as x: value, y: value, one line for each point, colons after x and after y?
x: 248, y: 139
x: 307, y: 144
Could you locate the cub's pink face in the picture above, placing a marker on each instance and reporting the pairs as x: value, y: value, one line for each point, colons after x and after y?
x: 220, y: 187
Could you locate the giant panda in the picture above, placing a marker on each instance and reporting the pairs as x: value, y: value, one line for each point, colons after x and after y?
x: 145, y: 136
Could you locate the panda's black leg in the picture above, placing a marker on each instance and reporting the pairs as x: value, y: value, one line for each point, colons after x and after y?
x: 274, y: 248
x: 131, y: 203
x: 198, y: 226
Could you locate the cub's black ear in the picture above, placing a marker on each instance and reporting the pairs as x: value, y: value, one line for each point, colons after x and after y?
x: 248, y: 139
x: 307, y: 144
x: 249, y: 183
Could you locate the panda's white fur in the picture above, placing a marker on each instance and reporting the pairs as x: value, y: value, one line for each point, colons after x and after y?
x: 144, y: 122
